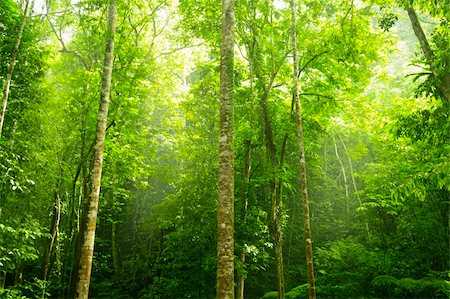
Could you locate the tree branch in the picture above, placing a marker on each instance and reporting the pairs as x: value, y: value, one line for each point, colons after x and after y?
x: 311, y: 60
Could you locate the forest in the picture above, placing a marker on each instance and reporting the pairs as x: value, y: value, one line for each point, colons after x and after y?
x: 242, y: 149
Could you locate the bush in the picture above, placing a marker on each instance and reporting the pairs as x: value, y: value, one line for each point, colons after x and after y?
x: 298, y: 292
x: 270, y: 295
x: 386, y: 286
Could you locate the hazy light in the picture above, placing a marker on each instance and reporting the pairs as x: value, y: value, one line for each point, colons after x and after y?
x: 280, y: 4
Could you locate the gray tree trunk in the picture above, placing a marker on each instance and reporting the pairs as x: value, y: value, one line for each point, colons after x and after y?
x: 87, y: 248
x: 302, y: 168
x: 225, y: 208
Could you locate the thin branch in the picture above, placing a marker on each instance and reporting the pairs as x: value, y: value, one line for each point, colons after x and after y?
x: 179, y: 49
x: 310, y: 61
x: 315, y: 94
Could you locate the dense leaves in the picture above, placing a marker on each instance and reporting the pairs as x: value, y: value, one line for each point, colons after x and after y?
x: 376, y: 135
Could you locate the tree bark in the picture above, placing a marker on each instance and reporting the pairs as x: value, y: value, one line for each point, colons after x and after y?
x: 247, y: 167
x: 225, y: 208
x: 302, y: 165
x: 443, y: 81
x: 12, y: 63
x: 87, y: 248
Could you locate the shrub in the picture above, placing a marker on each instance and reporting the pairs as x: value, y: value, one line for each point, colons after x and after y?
x: 299, y: 292
x: 270, y: 295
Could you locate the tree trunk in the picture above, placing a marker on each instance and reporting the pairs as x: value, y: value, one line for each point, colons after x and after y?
x: 54, y: 231
x: 82, y: 207
x: 114, y: 249
x: 18, y: 274
x: 248, y: 159
x: 355, y: 188
x: 443, y: 82
x: 271, y: 152
x: 12, y: 63
x: 275, y: 229
x: 87, y: 248
x: 344, y: 174
x: 225, y: 208
x: 302, y: 168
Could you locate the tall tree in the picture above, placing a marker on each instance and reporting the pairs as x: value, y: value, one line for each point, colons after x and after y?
x: 301, y: 145
x: 442, y: 78
x: 225, y: 208
x: 12, y: 63
x: 87, y: 247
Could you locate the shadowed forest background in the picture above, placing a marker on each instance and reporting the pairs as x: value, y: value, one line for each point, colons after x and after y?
x: 375, y: 103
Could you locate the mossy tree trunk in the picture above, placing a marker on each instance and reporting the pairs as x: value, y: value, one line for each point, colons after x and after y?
x: 87, y: 248
x: 225, y: 208
x: 302, y: 164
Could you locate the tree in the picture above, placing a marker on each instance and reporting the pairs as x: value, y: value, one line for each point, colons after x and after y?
x: 225, y: 207
x: 156, y: 235
x: 439, y: 69
x: 12, y: 63
x: 302, y: 166
x: 87, y: 249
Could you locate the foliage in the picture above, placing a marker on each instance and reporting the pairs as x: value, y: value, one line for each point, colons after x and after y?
x: 19, y: 243
x: 376, y: 137
x: 386, y: 286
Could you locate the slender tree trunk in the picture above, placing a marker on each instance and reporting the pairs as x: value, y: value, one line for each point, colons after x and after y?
x: 276, y: 231
x: 54, y: 231
x: 248, y: 159
x: 443, y: 81
x: 12, y: 63
x: 274, y: 207
x: 82, y: 207
x: 355, y: 188
x: 87, y: 248
x: 18, y: 274
x: 13, y: 133
x: 53, y: 242
x: 114, y: 249
x: 344, y: 174
x: 241, y: 278
x: 301, y: 145
x: 225, y: 208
